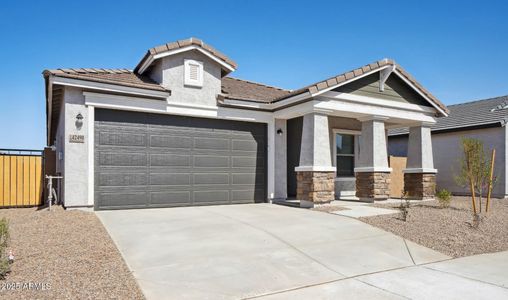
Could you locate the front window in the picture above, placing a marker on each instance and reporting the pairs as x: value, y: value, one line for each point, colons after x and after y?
x: 345, y: 154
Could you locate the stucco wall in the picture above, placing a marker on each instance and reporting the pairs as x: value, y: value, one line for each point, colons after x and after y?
x: 169, y: 71
x: 75, y: 192
x: 447, y: 154
x: 280, y: 160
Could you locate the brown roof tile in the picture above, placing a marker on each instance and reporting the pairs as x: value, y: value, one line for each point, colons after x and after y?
x: 239, y: 89
x: 123, y: 77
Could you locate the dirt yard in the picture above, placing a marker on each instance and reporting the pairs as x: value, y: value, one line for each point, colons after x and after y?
x: 449, y: 230
x: 68, y: 253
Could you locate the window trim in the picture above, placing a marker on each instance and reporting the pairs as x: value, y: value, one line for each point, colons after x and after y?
x: 356, y: 134
x: 187, y: 81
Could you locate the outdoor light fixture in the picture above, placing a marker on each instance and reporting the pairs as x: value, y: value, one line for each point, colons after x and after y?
x: 79, y: 121
x: 279, y: 131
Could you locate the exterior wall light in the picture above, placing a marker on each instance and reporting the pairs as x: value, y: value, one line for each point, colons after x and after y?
x: 279, y: 131
x: 79, y: 121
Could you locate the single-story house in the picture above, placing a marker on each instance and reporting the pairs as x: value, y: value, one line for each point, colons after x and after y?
x: 484, y: 120
x: 179, y: 131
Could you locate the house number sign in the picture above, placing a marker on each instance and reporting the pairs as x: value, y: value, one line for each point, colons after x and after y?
x: 76, y: 138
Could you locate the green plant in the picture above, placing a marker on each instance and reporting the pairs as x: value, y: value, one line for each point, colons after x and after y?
x: 4, y: 241
x: 444, y: 197
x: 475, y: 173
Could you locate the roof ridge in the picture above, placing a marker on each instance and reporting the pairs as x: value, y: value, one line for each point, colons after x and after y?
x: 257, y: 83
x: 478, y: 100
x: 91, y: 70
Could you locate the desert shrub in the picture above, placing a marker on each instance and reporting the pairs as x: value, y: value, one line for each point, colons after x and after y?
x: 4, y: 241
x: 404, y: 206
x: 444, y: 197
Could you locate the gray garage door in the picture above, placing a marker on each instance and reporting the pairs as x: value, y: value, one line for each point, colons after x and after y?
x: 150, y: 160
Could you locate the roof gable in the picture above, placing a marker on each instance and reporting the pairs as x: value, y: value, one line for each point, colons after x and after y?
x: 180, y: 46
x: 344, y: 78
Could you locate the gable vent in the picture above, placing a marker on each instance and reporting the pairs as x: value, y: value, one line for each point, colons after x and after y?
x: 193, y: 73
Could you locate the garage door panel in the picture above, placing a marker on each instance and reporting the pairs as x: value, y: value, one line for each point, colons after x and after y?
x: 123, y: 179
x: 211, y: 143
x: 170, y: 160
x: 171, y: 198
x: 170, y: 179
x: 245, y: 145
x: 122, y: 139
x: 122, y: 159
x: 149, y: 160
x: 123, y: 199
x: 211, y: 178
x: 208, y: 161
x: 246, y: 196
x: 211, y: 196
x: 171, y: 141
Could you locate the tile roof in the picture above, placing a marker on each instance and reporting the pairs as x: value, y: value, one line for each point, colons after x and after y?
x: 123, y: 77
x: 240, y: 89
x: 351, y: 75
x: 470, y: 114
x: 181, y: 44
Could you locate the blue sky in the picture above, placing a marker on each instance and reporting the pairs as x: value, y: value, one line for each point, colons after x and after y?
x: 456, y: 49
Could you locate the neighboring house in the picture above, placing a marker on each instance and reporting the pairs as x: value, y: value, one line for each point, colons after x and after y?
x: 177, y: 131
x: 484, y: 120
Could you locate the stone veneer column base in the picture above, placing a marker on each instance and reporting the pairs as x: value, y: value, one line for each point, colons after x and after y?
x: 372, y: 186
x: 315, y: 187
x: 420, y: 186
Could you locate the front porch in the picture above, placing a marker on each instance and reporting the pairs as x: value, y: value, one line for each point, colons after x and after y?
x: 331, y: 157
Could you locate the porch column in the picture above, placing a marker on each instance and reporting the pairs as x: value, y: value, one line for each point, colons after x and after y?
x: 420, y: 175
x: 315, y: 174
x: 372, y: 173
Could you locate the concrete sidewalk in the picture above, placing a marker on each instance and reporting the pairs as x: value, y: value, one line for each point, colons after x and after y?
x: 476, y: 277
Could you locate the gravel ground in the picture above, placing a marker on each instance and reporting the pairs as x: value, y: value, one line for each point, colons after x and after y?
x: 69, y: 250
x: 449, y: 230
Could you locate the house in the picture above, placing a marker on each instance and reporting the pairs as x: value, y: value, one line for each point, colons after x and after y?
x: 484, y: 120
x: 178, y: 131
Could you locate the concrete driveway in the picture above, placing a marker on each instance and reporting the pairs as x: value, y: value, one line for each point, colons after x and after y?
x: 264, y: 250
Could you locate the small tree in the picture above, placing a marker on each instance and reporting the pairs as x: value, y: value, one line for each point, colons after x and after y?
x: 475, y: 170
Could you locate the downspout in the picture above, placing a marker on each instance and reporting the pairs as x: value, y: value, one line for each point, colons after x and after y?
x: 49, y: 107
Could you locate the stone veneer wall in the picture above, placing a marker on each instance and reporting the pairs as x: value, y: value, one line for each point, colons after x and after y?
x: 420, y: 186
x: 373, y: 185
x: 317, y: 187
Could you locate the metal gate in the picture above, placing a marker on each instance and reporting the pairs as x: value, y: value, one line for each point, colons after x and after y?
x: 21, y: 179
